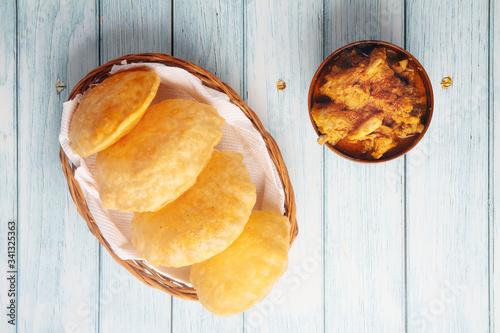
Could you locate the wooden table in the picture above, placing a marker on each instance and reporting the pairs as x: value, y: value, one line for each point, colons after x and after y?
x: 406, y: 245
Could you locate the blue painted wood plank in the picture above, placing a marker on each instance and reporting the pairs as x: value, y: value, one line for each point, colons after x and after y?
x: 494, y: 178
x: 8, y: 168
x: 447, y: 174
x: 284, y: 42
x: 209, y: 34
x: 58, y: 257
x: 135, y: 27
x: 127, y: 304
x: 365, y: 262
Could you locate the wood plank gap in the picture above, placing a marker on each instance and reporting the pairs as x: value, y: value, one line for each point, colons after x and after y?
x: 243, y: 318
x: 98, y: 5
x: 323, y: 181
x: 99, y: 286
x: 404, y: 36
x: 323, y: 43
x: 172, y: 27
x: 172, y: 298
x: 405, y: 198
x: 405, y: 248
x: 16, y: 117
x: 323, y: 219
x: 244, y: 92
x: 99, y: 46
x: 491, y: 174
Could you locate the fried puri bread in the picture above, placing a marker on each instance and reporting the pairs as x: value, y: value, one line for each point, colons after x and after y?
x: 203, y: 221
x: 111, y: 109
x: 243, y: 274
x: 160, y: 158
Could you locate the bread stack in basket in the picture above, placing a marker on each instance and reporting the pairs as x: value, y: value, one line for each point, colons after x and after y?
x: 192, y: 204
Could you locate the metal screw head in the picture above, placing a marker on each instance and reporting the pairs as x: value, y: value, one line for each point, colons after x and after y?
x: 446, y: 82
x: 60, y: 86
x: 281, y: 85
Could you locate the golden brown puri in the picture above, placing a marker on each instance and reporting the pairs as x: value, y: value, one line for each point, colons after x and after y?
x: 160, y: 158
x: 203, y: 221
x: 242, y: 275
x: 365, y: 95
x: 111, y: 109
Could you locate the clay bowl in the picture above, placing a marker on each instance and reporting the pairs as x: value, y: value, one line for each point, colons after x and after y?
x: 366, y: 47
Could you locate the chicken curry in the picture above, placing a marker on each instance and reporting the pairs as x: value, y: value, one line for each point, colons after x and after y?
x: 369, y: 106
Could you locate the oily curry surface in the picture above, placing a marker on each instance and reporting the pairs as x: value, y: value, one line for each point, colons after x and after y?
x: 369, y: 106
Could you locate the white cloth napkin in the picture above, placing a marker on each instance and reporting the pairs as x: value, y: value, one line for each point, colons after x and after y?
x: 238, y: 135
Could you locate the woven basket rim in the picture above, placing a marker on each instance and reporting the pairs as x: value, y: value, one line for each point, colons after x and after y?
x: 139, y: 268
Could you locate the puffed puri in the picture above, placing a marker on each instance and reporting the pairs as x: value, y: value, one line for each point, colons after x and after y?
x: 160, y: 158
x: 203, y: 221
x: 236, y: 279
x: 110, y: 110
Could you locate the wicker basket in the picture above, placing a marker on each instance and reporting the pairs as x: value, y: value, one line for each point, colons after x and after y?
x: 139, y: 268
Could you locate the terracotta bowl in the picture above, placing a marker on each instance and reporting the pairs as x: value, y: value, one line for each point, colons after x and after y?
x: 366, y: 47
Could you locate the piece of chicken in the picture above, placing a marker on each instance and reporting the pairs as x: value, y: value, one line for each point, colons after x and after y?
x: 347, y: 87
x: 336, y: 122
x: 379, y: 142
x: 366, y: 127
